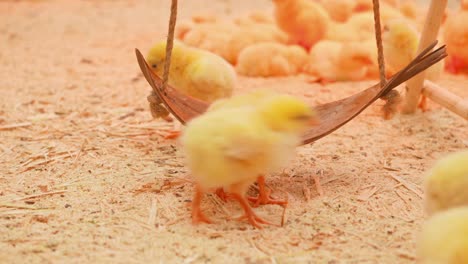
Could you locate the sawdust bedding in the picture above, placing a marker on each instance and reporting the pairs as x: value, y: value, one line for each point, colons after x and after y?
x: 87, y: 177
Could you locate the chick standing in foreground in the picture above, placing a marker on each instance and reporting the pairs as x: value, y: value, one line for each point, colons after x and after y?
x: 447, y: 183
x: 305, y: 21
x: 444, y: 239
x: 244, y: 100
x: 229, y: 147
x: 195, y: 72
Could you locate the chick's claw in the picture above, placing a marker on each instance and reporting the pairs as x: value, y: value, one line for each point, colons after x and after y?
x: 249, y: 213
x: 172, y: 135
x: 265, y: 198
x: 423, y: 103
x: 264, y: 195
x: 199, y: 217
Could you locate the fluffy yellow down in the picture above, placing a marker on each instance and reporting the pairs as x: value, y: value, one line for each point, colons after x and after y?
x: 194, y: 72
x: 444, y: 239
x: 271, y: 59
x: 446, y: 185
x: 235, y: 142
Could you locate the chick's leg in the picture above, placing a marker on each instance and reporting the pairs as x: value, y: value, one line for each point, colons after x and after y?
x: 197, y: 214
x: 249, y: 213
x: 264, y: 195
x: 423, y: 103
x: 174, y: 133
x: 221, y: 194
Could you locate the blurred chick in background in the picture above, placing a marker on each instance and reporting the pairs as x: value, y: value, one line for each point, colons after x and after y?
x: 249, y: 35
x: 213, y: 37
x: 229, y: 38
x: 357, y: 61
x: 446, y: 184
x: 337, y: 61
x: 456, y: 39
x: 253, y: 18
x: 338, y: 10
x: 229, y: 147
x: 400, y: 41
x: 323, y: 59
x: 305, y: 21
x: 444, y: 238
x: 358, y: 27
x: 194, y: 72
x: 271, y: 59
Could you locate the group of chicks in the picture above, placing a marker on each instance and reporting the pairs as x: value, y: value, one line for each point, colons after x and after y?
x: 333, y: 40
x: 444, y: 238
x: 242, y: 139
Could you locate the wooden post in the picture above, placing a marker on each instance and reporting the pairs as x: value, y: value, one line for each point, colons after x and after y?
x: 429, y: 34
x: 446, y: 99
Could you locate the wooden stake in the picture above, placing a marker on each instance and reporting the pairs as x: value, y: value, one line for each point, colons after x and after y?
x: 429, y: 35
x: 446, y: 99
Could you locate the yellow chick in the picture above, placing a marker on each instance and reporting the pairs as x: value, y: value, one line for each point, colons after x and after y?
x: 230, y: 147
x: 446, y: 184
x: 228, y: 40
x: 357, y: 61
x: 323, y: 60
x: 444, y: 238
x: 400, y: 42
x: 305, y: 21
x: 410, y: 10
x: 338, y: 10
x: 367, y: 5
x: 359, y: 27
x: 213, y: 37
x: 254, y: 34
x: 255, y: 18
x: 271, y: 59
x: 244, y: 100
x: 456, y: 39
x: 194, y: 72
x: 251, y: 98
x: 336, y: 61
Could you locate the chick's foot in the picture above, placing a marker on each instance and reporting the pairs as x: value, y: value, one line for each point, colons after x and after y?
x: 249, y: 213
x: 172, y: 134
x: 264, y: 195
x: 197, y: 215
x: 423, y: 103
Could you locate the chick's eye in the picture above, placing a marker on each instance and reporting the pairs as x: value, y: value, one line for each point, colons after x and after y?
x: 154, y: 66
